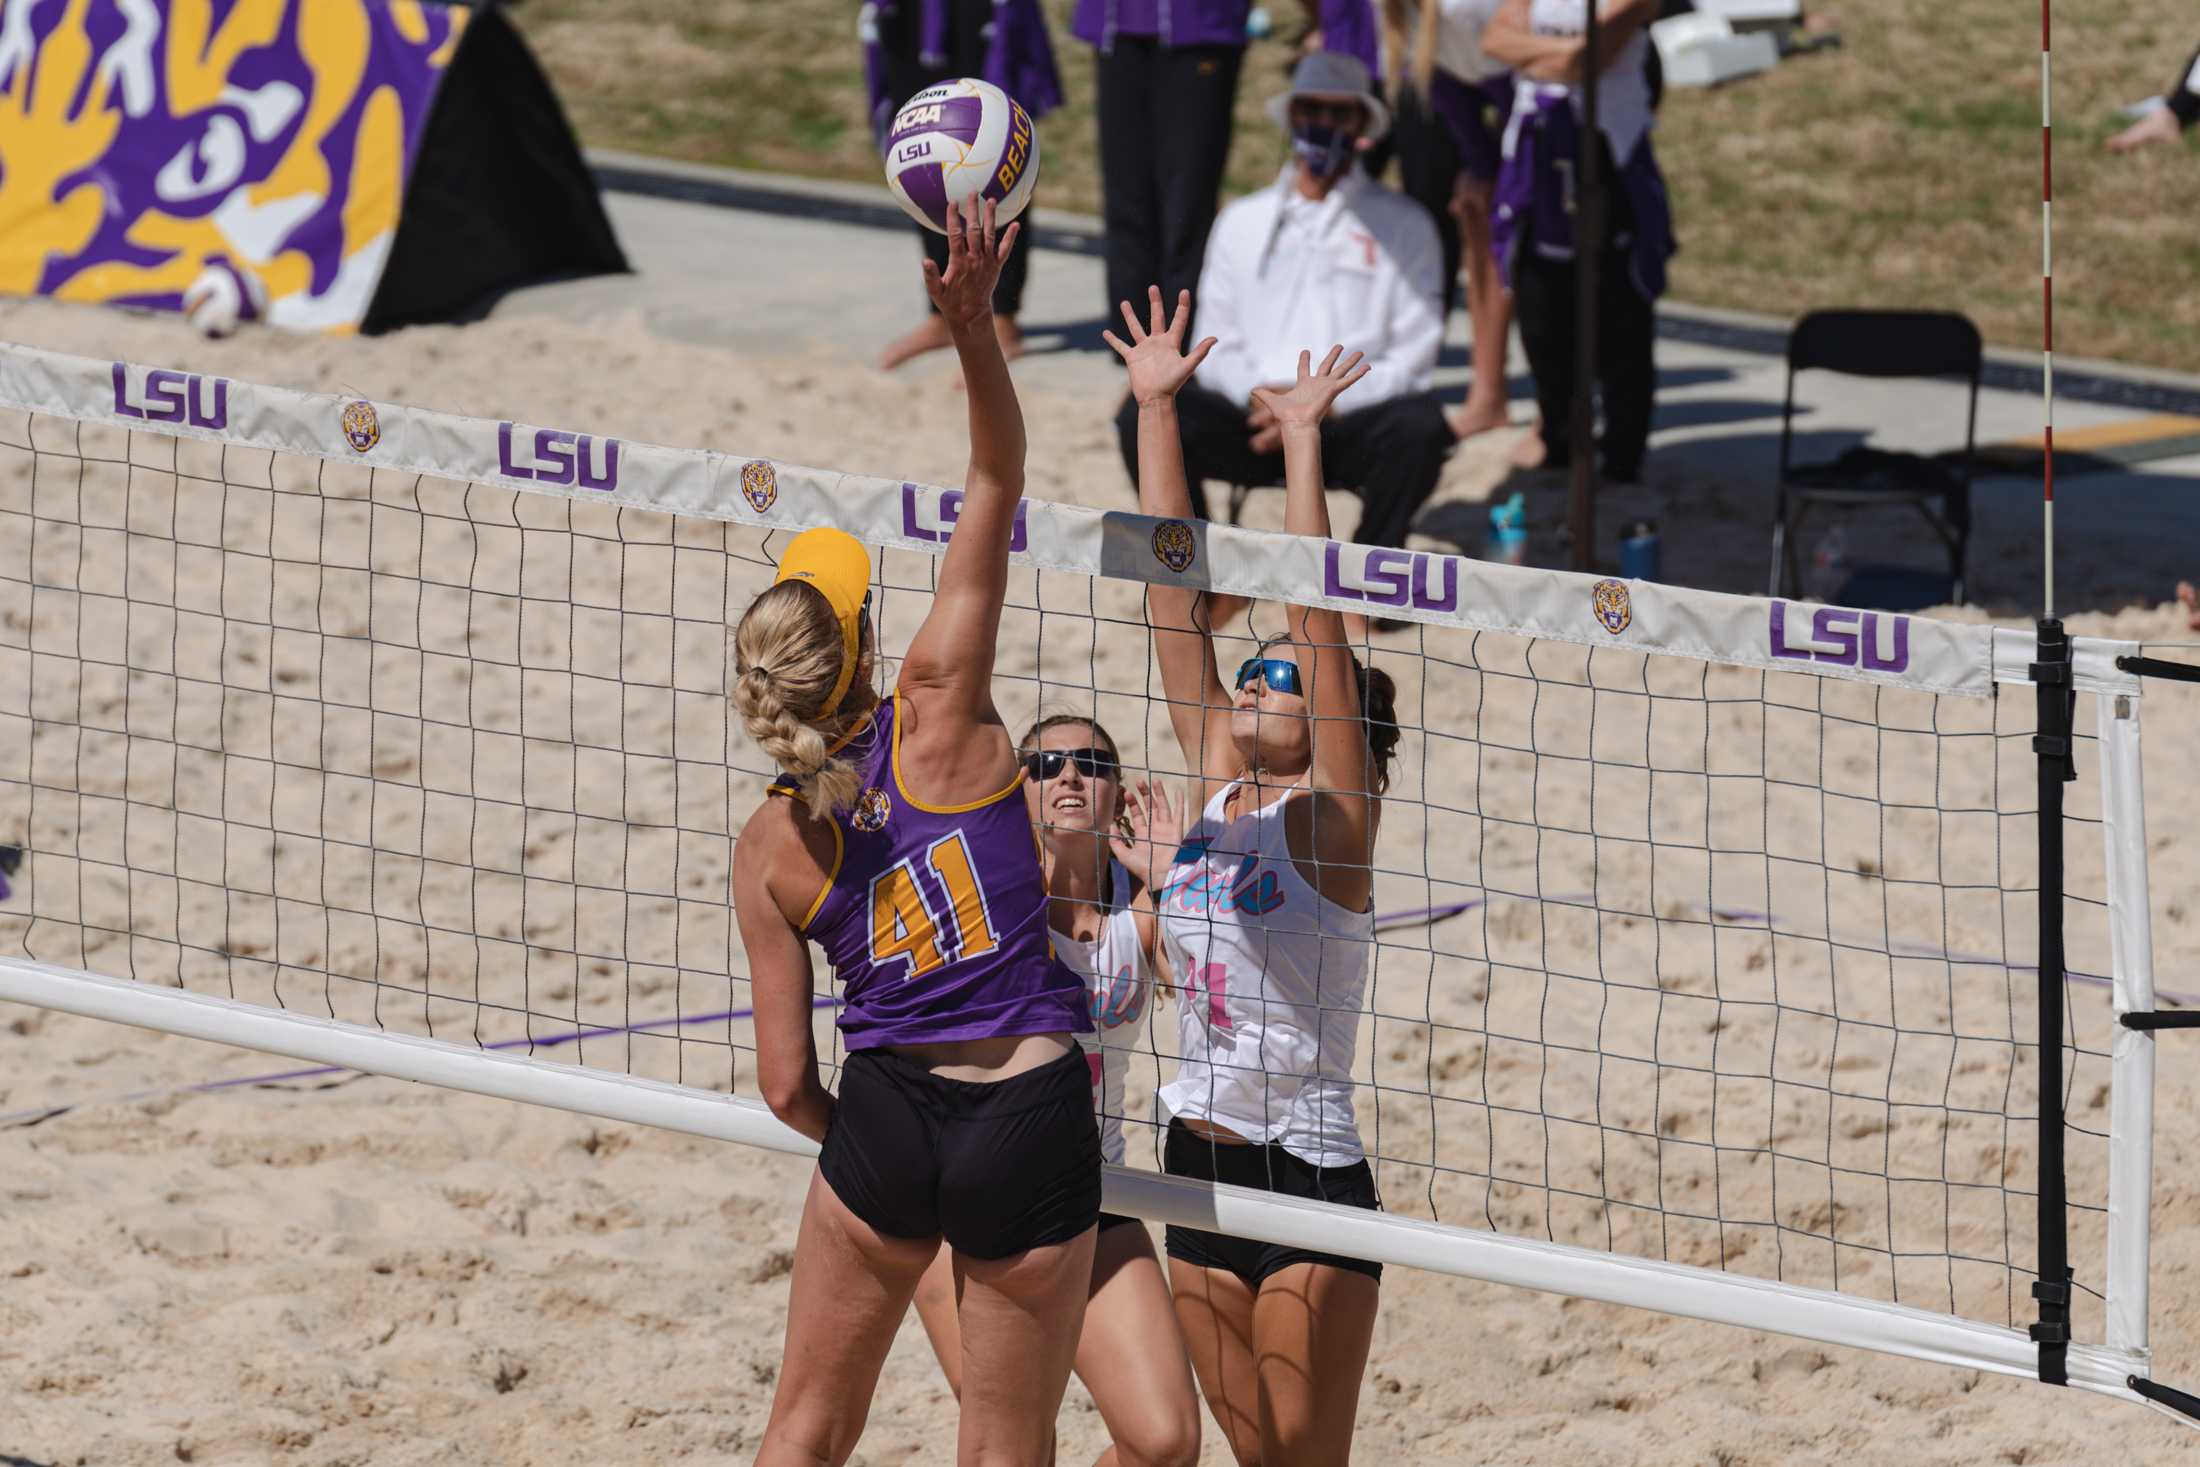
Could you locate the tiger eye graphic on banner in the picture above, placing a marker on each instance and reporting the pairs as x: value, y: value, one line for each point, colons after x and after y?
x: 146, y: 147
x: 141, y: 146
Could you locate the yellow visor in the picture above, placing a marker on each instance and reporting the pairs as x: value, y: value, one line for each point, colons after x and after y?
x: 836, y: 563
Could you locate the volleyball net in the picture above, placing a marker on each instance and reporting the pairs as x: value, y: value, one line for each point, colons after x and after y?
x: 1706, y: 973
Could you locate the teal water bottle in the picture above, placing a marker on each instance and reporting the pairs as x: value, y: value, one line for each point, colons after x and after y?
x: 1508, y: 542
x: 1639, y: 559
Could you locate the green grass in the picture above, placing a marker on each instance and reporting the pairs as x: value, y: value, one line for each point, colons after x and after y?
x: 1900, y: 169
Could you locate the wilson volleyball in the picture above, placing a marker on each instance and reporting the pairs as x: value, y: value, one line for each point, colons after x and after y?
x: 961, y: 140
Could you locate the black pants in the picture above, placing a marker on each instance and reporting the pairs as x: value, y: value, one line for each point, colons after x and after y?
x: 906, y: 76
x: 1544, y: 302
x: 1390, y: 454
x: 1164, y: 136
x: 1428, y: 172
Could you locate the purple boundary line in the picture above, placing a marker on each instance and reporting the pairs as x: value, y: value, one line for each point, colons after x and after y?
x: 576, y: 1037
x: 46, y: 1113
x: 1429, y: 916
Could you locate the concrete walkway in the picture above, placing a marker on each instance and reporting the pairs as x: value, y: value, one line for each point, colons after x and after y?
x: 710, y: 247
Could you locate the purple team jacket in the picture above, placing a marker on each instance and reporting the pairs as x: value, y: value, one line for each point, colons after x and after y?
x: 1175, y: 22
x: 1019, y: 59
x: 1535, y: 203
x: 1351, y: 26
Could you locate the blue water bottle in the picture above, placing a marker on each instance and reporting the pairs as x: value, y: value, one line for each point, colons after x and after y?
x: 1508, y: 543
x: 1638, y: 552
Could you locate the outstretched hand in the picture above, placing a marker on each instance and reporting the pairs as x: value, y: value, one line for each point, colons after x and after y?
x: 1152, y: 829
x: 976, y: 250
x: 1308, y: 401
x: 1156, y: 357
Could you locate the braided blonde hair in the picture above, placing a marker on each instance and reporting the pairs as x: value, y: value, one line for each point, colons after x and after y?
x: 787, y: 655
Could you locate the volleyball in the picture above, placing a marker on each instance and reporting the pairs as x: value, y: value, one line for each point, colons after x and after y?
x: 959, y: 140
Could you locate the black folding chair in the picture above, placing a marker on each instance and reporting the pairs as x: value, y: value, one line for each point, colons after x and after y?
x: 1879, y: 344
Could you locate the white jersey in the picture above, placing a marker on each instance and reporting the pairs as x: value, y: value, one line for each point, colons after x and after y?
x: 1118, y: 979
x: 1623, y: 88
x: 1459, y: 27
x: 1273, y: 976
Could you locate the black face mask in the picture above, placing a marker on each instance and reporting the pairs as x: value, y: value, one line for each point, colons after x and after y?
x: 1325, y: 150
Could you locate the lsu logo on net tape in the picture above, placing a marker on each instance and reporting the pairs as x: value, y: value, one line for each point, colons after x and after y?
x: 871, y: 810
x: 759, y: 485
x: 362, y: 429
x: 1615, y: 609
x: 1174, y: 545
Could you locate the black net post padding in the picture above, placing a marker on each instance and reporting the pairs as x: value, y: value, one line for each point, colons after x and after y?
x: 2051, y: 679
x: 1588, y: 300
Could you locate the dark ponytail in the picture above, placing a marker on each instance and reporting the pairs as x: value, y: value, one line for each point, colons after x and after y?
x: 1379, y: 710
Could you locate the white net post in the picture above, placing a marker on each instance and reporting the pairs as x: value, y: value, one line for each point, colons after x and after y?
x: 2131, y: 937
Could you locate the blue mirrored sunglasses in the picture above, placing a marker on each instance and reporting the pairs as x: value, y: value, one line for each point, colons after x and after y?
x: 1281, y: 674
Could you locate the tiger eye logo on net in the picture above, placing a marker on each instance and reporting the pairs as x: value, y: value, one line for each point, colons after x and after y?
x: 759, y: 485
x: 871, y: 810
x: 1174, y: 545
x: 1615, y: 608
x: 362, y: 429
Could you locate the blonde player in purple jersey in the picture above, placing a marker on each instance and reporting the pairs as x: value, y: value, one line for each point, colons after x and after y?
x: 1266, y: 924
x: 1131, y: 1353
x: 901, y: 846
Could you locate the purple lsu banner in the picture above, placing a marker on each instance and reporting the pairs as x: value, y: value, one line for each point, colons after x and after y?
x: 149, y: 146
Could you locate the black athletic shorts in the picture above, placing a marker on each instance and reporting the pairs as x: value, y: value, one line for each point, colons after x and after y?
x: 995, y: 1167
x: 1271, y: 1169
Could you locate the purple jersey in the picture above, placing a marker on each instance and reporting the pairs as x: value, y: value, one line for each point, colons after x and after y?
x: 1172, y: 22
x: 935, y: 916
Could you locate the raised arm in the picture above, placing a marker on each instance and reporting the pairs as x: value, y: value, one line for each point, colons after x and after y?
x: 1199, y: 704
x: 952, y: 652
x: 1344, y: 770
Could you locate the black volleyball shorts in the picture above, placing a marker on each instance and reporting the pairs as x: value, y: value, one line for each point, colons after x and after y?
x: 995, y: 1167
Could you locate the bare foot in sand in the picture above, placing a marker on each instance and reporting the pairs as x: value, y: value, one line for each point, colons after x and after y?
x: 1476, y: 415
x: 1010, y: 336
x: 929, y: 336
x: 2189, y: 598
x: 1530, y: 452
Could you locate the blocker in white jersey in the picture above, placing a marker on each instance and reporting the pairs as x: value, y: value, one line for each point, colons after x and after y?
x: 1119, y: 980
x: 1265, y: 917
x: 1274, y: 975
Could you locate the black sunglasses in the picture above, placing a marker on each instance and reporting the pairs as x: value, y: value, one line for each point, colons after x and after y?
x: 1045, y: 764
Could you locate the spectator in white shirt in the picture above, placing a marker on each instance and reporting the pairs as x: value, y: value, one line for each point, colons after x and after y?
x: 1325, y: 254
